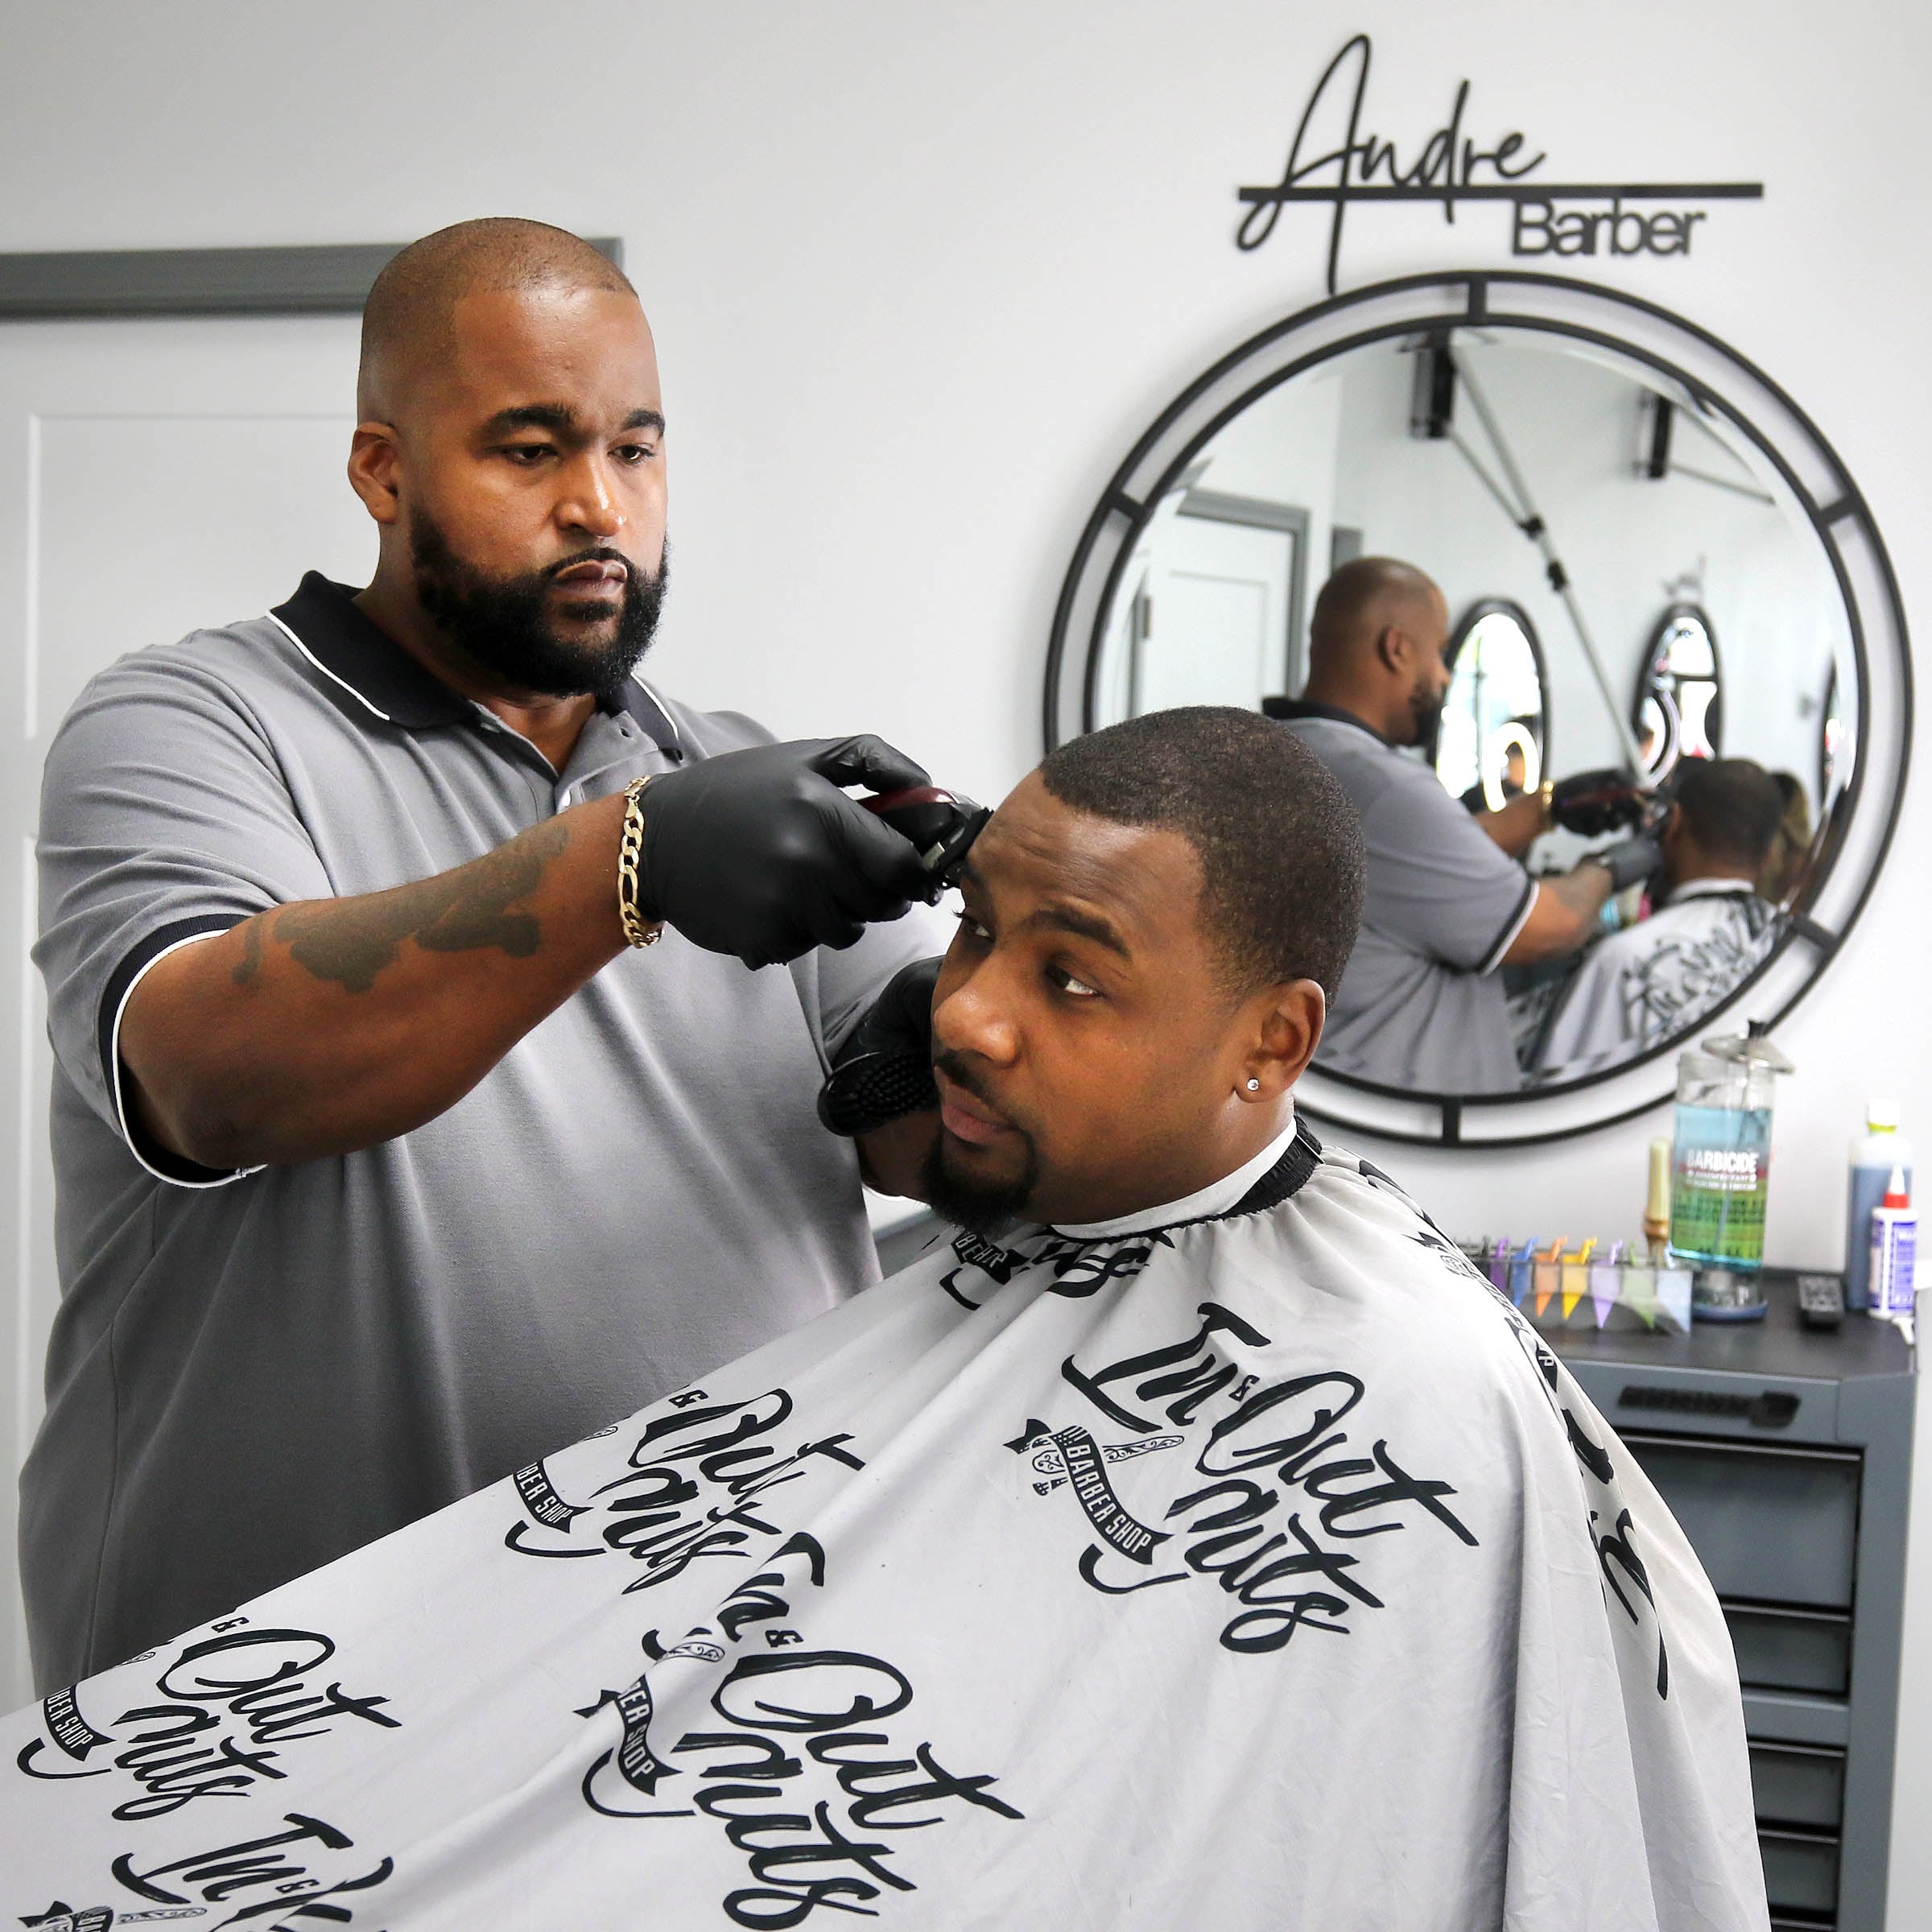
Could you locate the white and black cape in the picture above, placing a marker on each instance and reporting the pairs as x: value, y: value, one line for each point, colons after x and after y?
x: 1256, y: 1568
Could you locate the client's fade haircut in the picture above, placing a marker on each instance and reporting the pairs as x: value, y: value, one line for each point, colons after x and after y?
x: 1280, y: 845
x: 1732, y: 807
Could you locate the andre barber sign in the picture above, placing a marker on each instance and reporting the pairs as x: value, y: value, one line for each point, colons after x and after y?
x: 1335, y: 160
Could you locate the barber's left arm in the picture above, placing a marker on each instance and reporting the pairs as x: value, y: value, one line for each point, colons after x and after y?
x: 1517, y: 826
x: 894, y: 1159
x: 1566, y: 914
x: 881, y: 1090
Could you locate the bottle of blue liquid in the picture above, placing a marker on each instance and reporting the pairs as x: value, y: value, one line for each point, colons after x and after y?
x: 1880, y: 1149
x: 1721, y: 1150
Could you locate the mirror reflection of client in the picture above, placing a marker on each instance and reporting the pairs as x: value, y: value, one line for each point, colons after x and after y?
x: 1654, y: 979
x: 1422, y: 1005
x: 1224, y: 1553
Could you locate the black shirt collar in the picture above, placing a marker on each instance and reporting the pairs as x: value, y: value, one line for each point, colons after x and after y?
x: 1299, y: 1160
x: 1288, y: 708
x: 387, y: 683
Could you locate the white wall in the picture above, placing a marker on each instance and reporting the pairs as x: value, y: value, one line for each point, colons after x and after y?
x: 921, y: 273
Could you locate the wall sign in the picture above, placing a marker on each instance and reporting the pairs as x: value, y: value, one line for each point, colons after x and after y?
x: 1335, y: 161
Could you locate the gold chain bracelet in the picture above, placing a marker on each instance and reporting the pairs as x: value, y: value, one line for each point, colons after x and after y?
x: 638, y: 930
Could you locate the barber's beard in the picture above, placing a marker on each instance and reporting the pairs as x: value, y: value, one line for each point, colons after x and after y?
x: 503, y: 624
x: 1426, y: 710
x: 981, y: 1204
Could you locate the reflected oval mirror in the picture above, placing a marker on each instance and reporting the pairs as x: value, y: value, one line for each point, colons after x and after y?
x: 1492, y: 741
x: 1551, y: 456
x: 1680, y: 693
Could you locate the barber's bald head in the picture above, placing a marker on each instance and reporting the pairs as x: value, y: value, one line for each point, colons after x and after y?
x: 1376, y: 644
x: 409, y: 320
x: 1362, y: 600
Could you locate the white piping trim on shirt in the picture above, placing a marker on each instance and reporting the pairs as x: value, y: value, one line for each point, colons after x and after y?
x: 1510, y: 931
x: 677, y: 736
x: 173, y: 1180
x: 325, y: 671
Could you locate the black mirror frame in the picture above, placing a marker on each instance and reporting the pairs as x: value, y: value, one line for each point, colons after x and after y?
x: 1707, y: 375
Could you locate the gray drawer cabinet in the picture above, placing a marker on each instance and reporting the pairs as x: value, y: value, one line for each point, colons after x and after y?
x: 1786, y: 1456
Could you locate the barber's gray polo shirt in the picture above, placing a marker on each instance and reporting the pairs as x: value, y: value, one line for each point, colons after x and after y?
x: 251, y: 1373
x: 1420, y: 1007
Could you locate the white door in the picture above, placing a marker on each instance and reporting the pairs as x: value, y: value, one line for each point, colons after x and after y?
x: 1213, y: 626
x: 155, y: 477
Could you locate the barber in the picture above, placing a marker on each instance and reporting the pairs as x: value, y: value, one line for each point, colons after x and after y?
x: 417, y: 1108
x: 1421, y: 1006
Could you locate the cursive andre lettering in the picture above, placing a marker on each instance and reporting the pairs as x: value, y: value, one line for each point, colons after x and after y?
x: 1448, y: 161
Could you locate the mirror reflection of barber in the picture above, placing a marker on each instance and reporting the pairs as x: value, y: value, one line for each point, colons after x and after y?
x: 1422, y: 1006
x: 384, y: 1165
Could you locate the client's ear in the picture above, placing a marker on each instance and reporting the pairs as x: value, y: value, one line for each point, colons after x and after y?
x: 1287, y: 1028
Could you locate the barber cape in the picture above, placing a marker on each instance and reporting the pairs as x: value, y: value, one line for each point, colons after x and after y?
x: 1247, y: 1563
x: 1640, y: 986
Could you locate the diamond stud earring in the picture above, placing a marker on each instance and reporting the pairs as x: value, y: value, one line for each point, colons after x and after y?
x: 1254, y: 1086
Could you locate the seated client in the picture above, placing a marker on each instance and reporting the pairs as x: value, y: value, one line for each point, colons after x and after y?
x: 1640, y: 986
x: 1194, y: 1542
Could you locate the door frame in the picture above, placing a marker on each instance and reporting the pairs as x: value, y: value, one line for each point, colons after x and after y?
x: 72, y: 285
x: 1218, y: 506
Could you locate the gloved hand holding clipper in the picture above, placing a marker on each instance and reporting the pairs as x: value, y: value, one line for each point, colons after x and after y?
x: 1595, y: 803
x: 883, y: 1072
x: 1591, y: 803
x: 759, y: 853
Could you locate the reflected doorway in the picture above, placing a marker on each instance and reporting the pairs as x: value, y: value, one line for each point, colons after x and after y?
x: 1219, y: 618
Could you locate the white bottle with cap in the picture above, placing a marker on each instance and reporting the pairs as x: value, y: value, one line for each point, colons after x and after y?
x: 1894, y: 1252
x: 1876, y: 1152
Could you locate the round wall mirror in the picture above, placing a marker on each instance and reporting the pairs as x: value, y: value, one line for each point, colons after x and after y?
x: 1551, y: 455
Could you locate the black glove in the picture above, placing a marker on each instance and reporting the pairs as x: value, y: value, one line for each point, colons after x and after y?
x: 758, y: 853
x: 1593, y: 803
x: 1629, y: 860
x: 884, y: 1069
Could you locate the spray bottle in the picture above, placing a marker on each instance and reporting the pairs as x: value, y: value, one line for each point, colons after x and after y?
x: 1893, y: 1253
x: 1876, y: 1152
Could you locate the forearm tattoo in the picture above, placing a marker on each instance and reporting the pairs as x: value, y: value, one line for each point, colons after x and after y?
x: 349, y: 941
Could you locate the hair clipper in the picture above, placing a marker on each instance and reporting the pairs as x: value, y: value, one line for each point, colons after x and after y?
x: 939, y: 825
